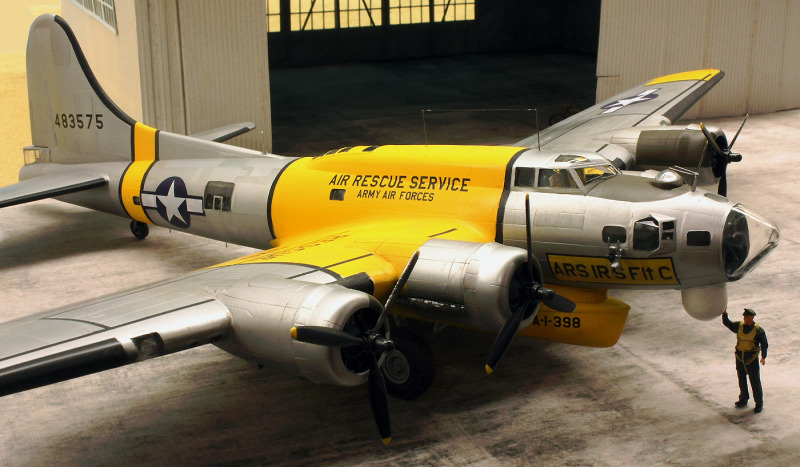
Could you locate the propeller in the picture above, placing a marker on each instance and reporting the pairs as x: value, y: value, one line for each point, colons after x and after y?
x: 530, y: 294
x: 370, y: 345
x: 723, y: 157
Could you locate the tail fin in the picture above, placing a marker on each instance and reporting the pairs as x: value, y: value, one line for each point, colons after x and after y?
x: 70, y: 113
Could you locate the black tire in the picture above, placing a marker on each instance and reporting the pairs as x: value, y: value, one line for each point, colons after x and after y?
x: 139, y: 230
x: 409, y: 369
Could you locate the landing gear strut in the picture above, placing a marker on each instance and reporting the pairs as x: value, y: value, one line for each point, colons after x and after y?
x: 139, y: 229
x: 408, y: 369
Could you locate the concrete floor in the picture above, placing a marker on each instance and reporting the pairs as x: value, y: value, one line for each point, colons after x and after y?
x: 663, y: 395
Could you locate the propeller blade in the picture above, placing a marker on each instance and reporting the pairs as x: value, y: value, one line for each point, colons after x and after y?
x: 324, y: 336
x: 504, y: 338
x: 398, y: 287
x: 737, y: 133
x: 711, y: 139
x: 378, y: 400
x: 560, y: 303
x: 722, y: 189
x: 553, y: 300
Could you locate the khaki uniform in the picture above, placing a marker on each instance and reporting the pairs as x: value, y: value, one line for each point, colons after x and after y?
x: 750, y: 341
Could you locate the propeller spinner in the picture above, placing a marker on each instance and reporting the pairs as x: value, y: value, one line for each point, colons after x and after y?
x: 372, y: 344
x: 531, y: 293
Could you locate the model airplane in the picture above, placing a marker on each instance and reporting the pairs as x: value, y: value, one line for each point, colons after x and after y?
x: 447, y: 234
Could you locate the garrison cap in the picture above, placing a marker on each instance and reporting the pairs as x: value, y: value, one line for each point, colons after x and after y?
x: 748, y: 312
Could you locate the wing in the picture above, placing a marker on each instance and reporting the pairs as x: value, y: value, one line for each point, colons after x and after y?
x: 48, y: 186
x: 661, y: 101
x: 246, y: 307
x: 108, y: 332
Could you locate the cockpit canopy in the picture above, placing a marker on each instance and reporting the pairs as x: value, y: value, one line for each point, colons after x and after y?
x: 564, y: 173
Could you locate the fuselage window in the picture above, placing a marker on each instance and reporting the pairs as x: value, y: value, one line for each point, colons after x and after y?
x: 337, y: 194
x: 218, y: 196
x: 614, y: 234
x: 698, y: 238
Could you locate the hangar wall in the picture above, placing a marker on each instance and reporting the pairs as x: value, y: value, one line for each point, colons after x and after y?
x: 755, y: 42
x: 183, y: 66
x: 118, y: 74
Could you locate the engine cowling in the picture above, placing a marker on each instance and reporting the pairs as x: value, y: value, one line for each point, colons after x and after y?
x: 663, y: 147
x: 264, y: 311
x: 467, y: 282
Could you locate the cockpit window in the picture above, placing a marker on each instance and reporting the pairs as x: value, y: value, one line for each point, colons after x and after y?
x: 570, y: 158
x: 556, y: 178
x: 589, y: 174
x: 525, y: 176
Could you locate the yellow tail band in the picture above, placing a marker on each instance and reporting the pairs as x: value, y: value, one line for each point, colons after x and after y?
x: 145, y: 154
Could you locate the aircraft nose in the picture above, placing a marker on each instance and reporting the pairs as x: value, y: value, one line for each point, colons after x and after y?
x: 747, y: 238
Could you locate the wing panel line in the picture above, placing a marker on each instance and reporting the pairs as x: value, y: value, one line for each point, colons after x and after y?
x: 202, y: 302
x: 681, y: 96
x: 442, y: 233
x: 104, y: 327
x: 326, y: 269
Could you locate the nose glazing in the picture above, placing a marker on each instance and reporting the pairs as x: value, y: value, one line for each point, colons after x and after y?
x: 747, y: 238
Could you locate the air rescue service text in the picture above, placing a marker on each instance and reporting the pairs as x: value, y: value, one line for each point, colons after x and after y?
x: 400, y: 187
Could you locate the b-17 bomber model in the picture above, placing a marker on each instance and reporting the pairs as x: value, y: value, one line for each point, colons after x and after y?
x: 518, y: 240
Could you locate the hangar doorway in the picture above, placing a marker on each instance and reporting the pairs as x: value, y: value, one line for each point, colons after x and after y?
x: 313, y: 32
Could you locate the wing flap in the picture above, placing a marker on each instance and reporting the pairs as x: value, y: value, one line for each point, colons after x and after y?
x: 48, y: 186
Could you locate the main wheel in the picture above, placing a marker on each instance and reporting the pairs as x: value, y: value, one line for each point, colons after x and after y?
x: 409, y: 369
x: 139, y: 229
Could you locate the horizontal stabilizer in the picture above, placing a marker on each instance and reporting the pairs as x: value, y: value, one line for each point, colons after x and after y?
x: 225, y: 133
x: 48, y: 186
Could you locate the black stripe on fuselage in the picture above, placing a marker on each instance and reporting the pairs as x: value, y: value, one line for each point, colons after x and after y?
x: 501, y: 210
x: 271, y: 194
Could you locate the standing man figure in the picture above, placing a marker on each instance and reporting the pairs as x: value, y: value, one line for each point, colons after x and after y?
x: 750, y: 339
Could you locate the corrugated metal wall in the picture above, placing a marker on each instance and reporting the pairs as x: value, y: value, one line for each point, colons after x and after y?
x: 756, y: 43
x: 204, y: 65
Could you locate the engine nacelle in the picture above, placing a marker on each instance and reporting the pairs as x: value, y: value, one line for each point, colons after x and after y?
x: 466, y: 282
x: 264, y: 310
x: 663, y: 147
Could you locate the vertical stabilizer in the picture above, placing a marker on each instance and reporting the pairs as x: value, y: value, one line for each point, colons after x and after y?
x: 70, y: 113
